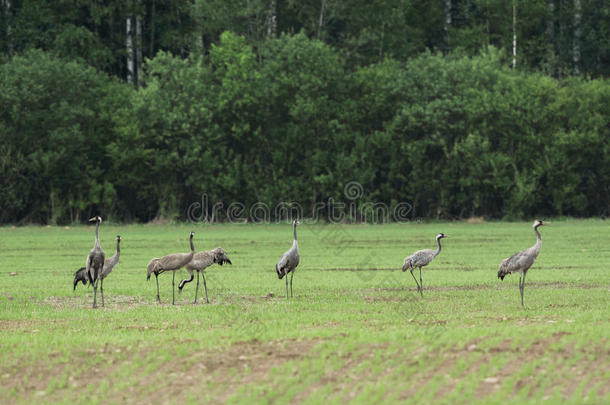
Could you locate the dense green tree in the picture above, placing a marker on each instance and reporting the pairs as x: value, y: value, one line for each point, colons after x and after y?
x: 55, y: 116
x: 267, y: 101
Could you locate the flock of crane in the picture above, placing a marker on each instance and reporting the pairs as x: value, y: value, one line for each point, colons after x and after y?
x: 97, y: 267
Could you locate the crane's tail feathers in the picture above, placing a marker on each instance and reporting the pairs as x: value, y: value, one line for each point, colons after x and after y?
x: 503, y: 270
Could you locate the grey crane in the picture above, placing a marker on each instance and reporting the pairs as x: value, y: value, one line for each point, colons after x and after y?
x: 522, y: 261
x: 420, y: 259
x: 200, y: 262
x: 172, y: 263
x: 95, y: 260
x: 109, y: 264
x: 289, y: 260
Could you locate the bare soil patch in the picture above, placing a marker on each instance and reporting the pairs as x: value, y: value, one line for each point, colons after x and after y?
x: 111, y: 301
x: 226, y: 370
x: 475, y: 287
x: 523, y: 355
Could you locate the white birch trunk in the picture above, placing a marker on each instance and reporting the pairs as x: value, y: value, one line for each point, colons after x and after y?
x: 550, y: 23
x: 447, y: 22
x: 577, y: 35
x: 7, y: 10
x: 272, y: 19
x: 130, y: 53
x: 321, y: 19
x: 550, y: 36
x: 514, y: 34
x: 139, y: 61
x: 487, y: 26
x: 152, y: 29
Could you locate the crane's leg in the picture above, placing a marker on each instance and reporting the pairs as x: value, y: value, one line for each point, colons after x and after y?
x: 286, y: 286
x: 102, y: 290
x: 523, y: 288
x: 158, y: 297
x: 411, y: 271
x: 173, y: 289
x: 520, y: 288
x: 291, y: 276
x: 421, y: 284
x: 95, y: 294
x: 205, y: 287
x: 196, y: 288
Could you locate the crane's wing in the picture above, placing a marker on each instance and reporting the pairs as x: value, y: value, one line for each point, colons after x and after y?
x: 109, y: 265
x: 201, y: 261
x: 174, y: 261
x: 284, y: 261
x: 519, y: 261
x: 421, y: 257
x: 288, y: 261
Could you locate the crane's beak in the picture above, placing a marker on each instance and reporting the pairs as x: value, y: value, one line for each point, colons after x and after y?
x: 92, y: 219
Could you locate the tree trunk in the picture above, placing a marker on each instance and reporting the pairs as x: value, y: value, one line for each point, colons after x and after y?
x: 550, y: 34
x: 151, y: 52
x: 321, y: 19
x: 514, y: 34
x: 447, y: 24
x: 487, y: 25
x: 179, y: 20
x: 6, y: 10
x: 272, y: 19
x: 130, y: 53
x: 139, y: 61
x: 577, y: 35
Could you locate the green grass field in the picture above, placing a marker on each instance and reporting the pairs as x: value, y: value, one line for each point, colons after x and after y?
x: 356, y: 331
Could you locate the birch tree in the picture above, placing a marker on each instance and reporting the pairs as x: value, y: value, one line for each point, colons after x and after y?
x: 514, y: 34
x: 139, y: 61
x: 321, y: 19
x: 447, y: 24
x: 577, y: 35
x: 130, y: 49
x: 272, y: 19
x: 550, y: 36
x: 6, y: 11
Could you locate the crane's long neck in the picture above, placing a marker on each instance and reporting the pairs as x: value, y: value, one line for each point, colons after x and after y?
x: 192, y: 246
x: 438, y: 240
x: 294, y: 242
x: 97, y: 233
x: 538, y: 244
x: 118, y: 247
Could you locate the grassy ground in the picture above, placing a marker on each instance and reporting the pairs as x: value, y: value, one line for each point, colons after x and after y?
x: 355, y: 331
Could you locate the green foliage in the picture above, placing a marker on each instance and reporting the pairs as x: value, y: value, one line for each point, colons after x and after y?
x: 293, y: 119
x: 56, y: 117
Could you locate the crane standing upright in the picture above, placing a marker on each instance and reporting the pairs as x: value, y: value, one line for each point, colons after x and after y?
x: 522, y: 261
x: 81, y: 274
x: 95, y: 260
x: 289, y: 260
